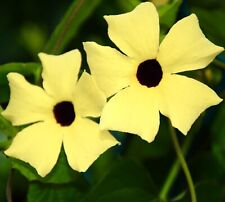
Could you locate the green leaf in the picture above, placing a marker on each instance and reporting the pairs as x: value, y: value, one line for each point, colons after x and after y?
x: 7, y: 132
x: 3, y: 141
x: 218, y: 148
x: 210, y: 191
x: 158, y: 148
x: 218, y: 125
x: 205, y: 167
x: 61, y: 173
x: 39, y: 192
x: 214, y: 29
x: 32, y: 71
x: 4, y: 173
x: 128, y: 5
x: 217, y: 136
x: 207, y: 191
x: 168, y: 13
x: 27, y: 69
x: 126, y: 194
x: 124, y: 176
x: 68, y: 28
x: 102, y: 164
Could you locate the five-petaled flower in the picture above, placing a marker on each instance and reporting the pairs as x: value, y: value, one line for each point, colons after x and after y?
x: 58, y: 114
x: 143, y: 79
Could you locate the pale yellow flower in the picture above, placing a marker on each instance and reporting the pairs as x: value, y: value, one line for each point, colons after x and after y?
x: 143, y: 76
x: 58, y: 114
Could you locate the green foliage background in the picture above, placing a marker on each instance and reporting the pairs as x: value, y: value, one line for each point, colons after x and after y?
x: 135, y: 171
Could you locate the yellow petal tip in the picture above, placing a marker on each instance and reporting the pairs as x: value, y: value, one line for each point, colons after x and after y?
x: 150, y: 140
x: 85, y: 44
x: 41, y: 55
x: 107, y: 17
x: 117, y: 143
x: 42, y: 173
x: 88, y: 43
x: 12, y: 75
x: 3, y: 113
x: 219, y: 100
x: 220, y: 49
x: 6, y: 152
x: 193, y: 15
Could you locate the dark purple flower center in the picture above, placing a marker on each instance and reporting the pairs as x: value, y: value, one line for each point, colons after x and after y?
x: 149, y: 73
x: 64, y: 113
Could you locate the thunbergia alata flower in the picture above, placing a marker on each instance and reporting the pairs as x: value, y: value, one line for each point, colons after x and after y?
x: 58, y: 115
x: 143, y: 78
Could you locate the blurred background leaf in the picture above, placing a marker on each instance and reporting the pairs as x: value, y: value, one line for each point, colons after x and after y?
x: 212, y: 23
x: 122, y: 179
x: 168, y: 13
x: 4, y: 174
x: 61, y: 173
x: 44, y: 192
x: 207, y: 191
x: 7, y: 132
x: 69, y: 26
x: 31, y: 71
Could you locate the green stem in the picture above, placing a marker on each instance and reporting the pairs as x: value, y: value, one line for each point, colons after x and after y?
x: 169, y: 181
x: 69, y: 25
x: 9, y: 187
x: 176, y: 167
x: 183, y: 164
x: 68, y: 22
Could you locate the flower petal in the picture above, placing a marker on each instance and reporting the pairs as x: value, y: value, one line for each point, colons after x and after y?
x: 60, y: 73
x: 89, y: 100
x: 84, y: 143
x: 132, y: 110
x: 111, y: 69
x: 183, y: 99
x: 136, y: 33
x: 185, y: 47
x: 28, y: 103
x: 39, y: 145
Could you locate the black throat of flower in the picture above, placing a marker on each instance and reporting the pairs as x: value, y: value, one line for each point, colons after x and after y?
x: 64, y: 113
x: 149, y: 73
